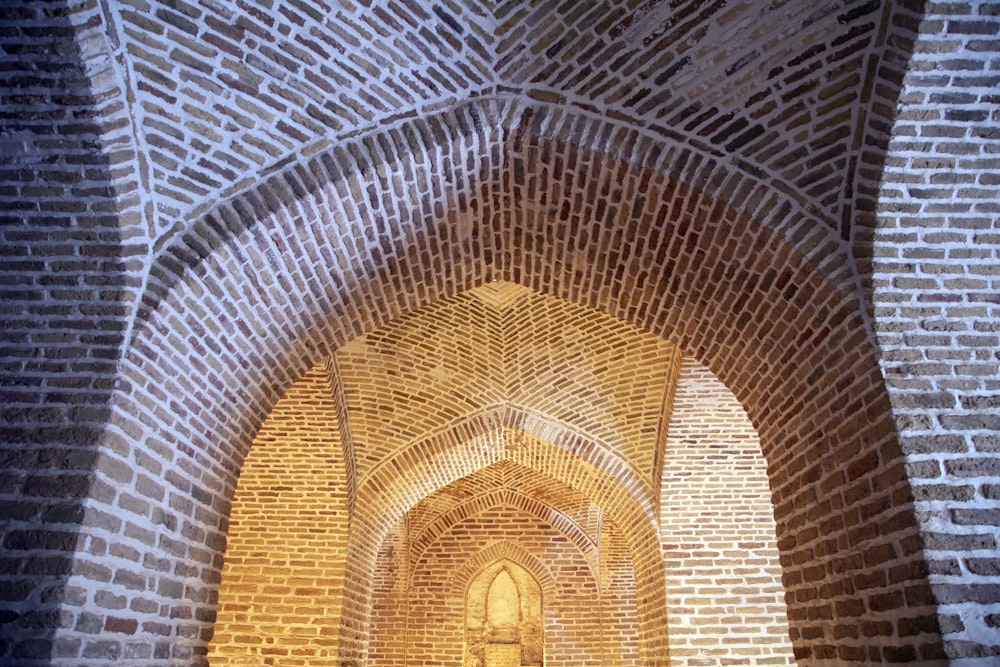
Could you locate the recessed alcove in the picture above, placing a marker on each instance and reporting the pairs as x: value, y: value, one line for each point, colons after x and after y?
x: 503, y: 618
x: 512, y: 539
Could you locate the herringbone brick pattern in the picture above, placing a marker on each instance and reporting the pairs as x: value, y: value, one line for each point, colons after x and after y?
x: 208, y: 205
x: 223, y: 94
x: 572, y: 366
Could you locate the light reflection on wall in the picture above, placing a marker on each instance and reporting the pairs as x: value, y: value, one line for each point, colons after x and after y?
x: 503, y: 617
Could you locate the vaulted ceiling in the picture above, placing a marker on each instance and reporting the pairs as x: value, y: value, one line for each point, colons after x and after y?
x: 502, y: 347
x: 219, y: 95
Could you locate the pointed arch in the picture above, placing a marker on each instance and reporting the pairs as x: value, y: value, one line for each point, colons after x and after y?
x: 472, y: 506
x: 504, y: 616
x: 664, y: 236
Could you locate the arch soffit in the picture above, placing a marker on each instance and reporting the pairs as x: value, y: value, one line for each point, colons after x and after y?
x: 499, y: 420
x: 360, y: 171
x: 503, y: 498
x: 587, y: 551
x: 253, y: 229
x: 402, y: 483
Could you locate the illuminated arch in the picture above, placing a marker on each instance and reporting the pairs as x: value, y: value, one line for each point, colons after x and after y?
x: 503, y: 616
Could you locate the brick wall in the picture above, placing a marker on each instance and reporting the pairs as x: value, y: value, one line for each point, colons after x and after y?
x: 725, y: 597
x: 936, y: 282
x: 619, y: 597
x: 68, y: 279
x: 390, y: 610
x: 282, y: 583
x: 719, y: 292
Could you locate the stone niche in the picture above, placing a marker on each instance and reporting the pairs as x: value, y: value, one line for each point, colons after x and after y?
x: 503, y: 617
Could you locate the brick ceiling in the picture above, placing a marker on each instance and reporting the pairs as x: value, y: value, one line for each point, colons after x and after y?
x: 228, y: 99
x: 224, y: 95
x: 505, y: 347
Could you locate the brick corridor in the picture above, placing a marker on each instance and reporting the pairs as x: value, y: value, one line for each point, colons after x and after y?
x: 687, y: 306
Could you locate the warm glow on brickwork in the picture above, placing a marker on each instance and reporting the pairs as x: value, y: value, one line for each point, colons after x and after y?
x: 725, y: 598
x: 282, y: 587
x: 440, y: 583
x: 317, y: 317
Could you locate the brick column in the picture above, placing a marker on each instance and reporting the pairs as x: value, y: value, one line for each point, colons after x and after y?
x: 68, y: 263
x: 936, y: 285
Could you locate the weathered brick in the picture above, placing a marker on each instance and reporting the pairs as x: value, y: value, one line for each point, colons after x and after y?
x: 209, y: 348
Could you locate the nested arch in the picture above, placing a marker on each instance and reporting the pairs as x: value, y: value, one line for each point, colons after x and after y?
x: 478, y: 444
x: 435, y: 602
x: 522, y: 501
x: 499, y: 552
x: 501, y: 432
x: 661, y: 235
x: 504, y: 609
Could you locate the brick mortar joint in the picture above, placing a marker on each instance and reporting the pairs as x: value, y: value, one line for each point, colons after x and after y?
x: 508, y: 117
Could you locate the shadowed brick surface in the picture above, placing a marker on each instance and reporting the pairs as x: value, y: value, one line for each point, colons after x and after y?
x: 68, y: 286
x: 936, y: 302
x: 207, y: 206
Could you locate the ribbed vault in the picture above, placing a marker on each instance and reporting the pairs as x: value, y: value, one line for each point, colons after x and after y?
x: 672, y: 241
x: 577, y: 369
x: 785, y: 102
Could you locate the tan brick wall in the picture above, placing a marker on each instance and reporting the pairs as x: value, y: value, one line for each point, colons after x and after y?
x: 282, y: 583
x: 725, y: 598
x: 390, y: 600
x: 619, y: 594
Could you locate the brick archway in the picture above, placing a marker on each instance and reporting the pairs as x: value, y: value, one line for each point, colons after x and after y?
x: 523, y: 501
x: 663, y: 236
x: 503, y: 551
x: 125, y: 126
x: 514, y: 635
x: 485, y: 443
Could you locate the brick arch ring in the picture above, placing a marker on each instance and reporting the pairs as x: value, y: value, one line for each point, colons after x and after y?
x: 504, y: 498
x: 672, y: 240
x: 463, y: 576
x: 498, y: 421
x: 475, y: 445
